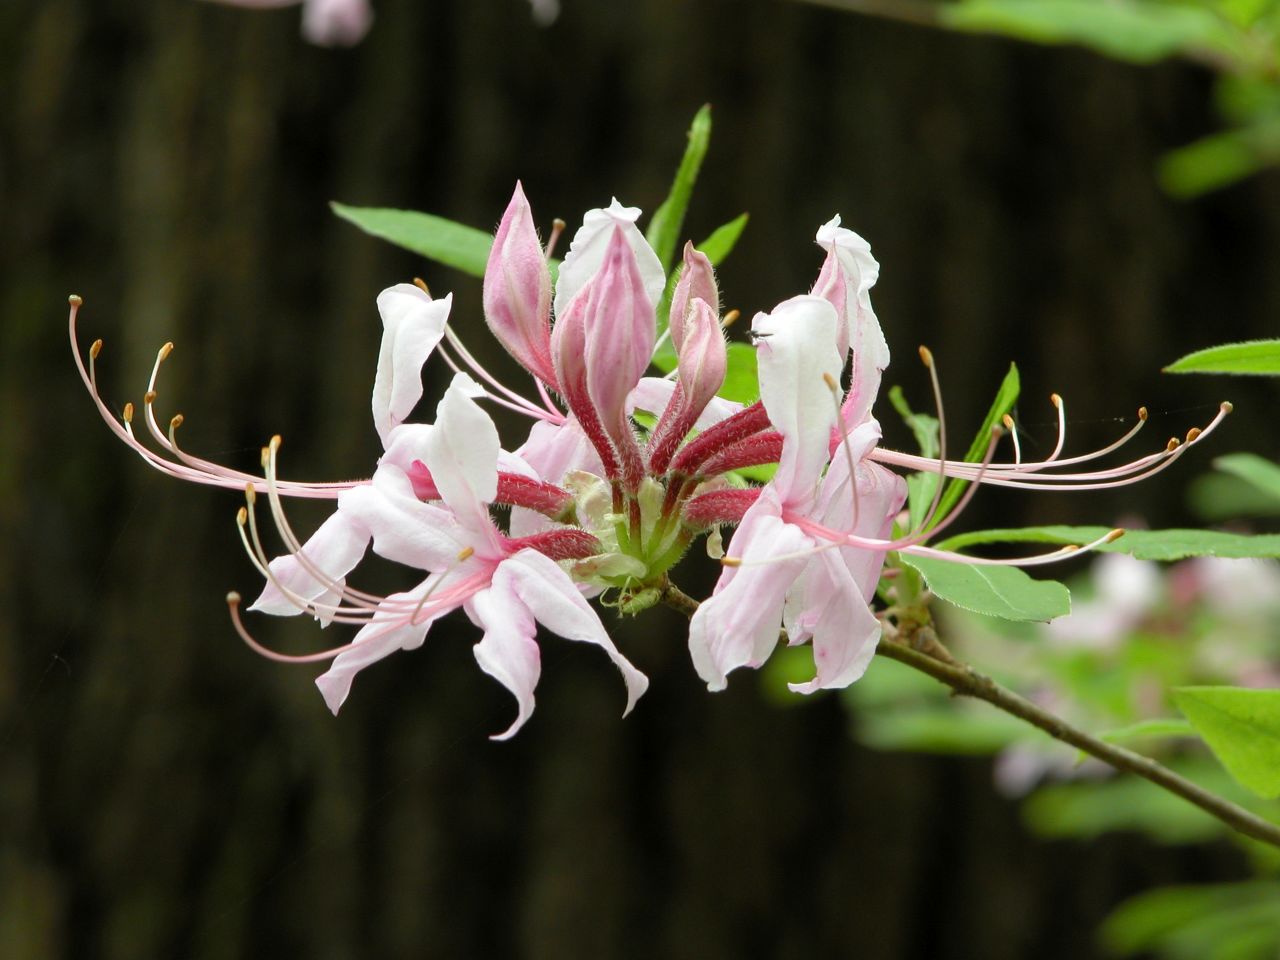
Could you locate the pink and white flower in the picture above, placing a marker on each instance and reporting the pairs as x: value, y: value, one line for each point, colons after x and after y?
x: 597, y: 505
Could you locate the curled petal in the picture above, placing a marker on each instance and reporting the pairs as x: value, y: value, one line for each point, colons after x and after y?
x: 555, y: 602
x: 846, y: 280
x: 797, y: 359
x: 508, y: 651
x: 413, y: 324
x: 390, y: 630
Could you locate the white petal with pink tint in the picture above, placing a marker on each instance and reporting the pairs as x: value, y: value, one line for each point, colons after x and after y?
x: 392, y: 629
x: 738, y: 625
x: 795, y: 349
x: 508, y: 651
x: 334, y: 550
x: 413, y: 324
x: 587, y: 253
x: 557, y: 603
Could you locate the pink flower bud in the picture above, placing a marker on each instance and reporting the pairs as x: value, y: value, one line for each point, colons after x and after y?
x: 517, y: 290
x: 697, y: 281
x: 703, y: 358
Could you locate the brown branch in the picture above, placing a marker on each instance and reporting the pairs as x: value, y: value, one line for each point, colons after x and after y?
x: 966, y: 681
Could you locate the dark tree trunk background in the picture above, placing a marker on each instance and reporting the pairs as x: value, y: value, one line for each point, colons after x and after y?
x: 165, y: 793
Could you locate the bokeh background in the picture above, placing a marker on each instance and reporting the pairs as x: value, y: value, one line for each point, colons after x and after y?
x: 166, y: 793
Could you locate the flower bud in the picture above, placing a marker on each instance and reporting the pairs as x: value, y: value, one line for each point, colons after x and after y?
x: 703, y: 357
x: 697, y: 281
x: 517, y: 290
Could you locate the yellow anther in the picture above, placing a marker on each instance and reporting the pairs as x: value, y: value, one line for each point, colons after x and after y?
x: 276, y: 440
x: 176, y: 421
x: 250, y: 494
x: 830, y: 381
x: 149, y: 397
x: 421, y: 285
x: 1055, y: 399
x: 466, y: 553
x: 1192, y: 434
x: 242, y: 516
x: 729, y: 319
x: 1173, y: 444
x: 926, y: 356
x: 95, y: 349
x: 128, y: 413
x: 1142, y: 414
x: 730, y: 561
x: 1007, y: 421
x: 233, y: 599
x: 1226, y: 406
x: 74, y: 300
x: 166, y: 350
x: 1114, y: 535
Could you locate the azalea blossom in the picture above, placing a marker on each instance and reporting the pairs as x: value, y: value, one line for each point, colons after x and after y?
x: 596, y: 505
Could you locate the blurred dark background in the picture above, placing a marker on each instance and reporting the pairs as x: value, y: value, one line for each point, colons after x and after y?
x: 166, y: 793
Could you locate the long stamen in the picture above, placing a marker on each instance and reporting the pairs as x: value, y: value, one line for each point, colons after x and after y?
x: 1061, y: 407
x: 1013, y: 432
x: 926, y: 356
x: 523, y: 405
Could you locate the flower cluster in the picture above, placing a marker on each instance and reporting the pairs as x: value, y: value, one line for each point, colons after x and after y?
x: 596, y: 505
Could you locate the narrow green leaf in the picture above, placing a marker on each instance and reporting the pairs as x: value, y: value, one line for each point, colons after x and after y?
x: 1141, y: 32
x: 664, y: 227
x: 1215, y: 497
x: 1257, y: 471
x: 996, y: 591
x: 1165, y: 727
x: 444, y: 241
x: 1166, y: 545
x: 1249, y: 357
x: 723, y: 239
x: 1211, y: 163
x: 1003, y: 403
x: 1242, y: 728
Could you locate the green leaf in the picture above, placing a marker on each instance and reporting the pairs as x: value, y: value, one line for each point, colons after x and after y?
x: 1215, y: 497
x: 1242, y: 728
x: 1248, y: 357
x: 664, y: 228
x: 1170, y: 727
x: 741, y: 381
x: 1209, y: 164
x: 1084, y: 809
x: 996, y: 591
x: 1003, y: 403
x: 1237, y: 920
x: 1257, y: 471
x: 1141, y: 32
x: 444, y: 241
x: 723, y: 239
x: 1166, y: 545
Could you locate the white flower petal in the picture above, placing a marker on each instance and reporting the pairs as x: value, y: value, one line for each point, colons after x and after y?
x: 413, y: 324
x: 334, y: 549
x: 508, y: 651
x: 796, y: 351
x: 462, y: 455
x: 557, y: 603
x: 587, y: 251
